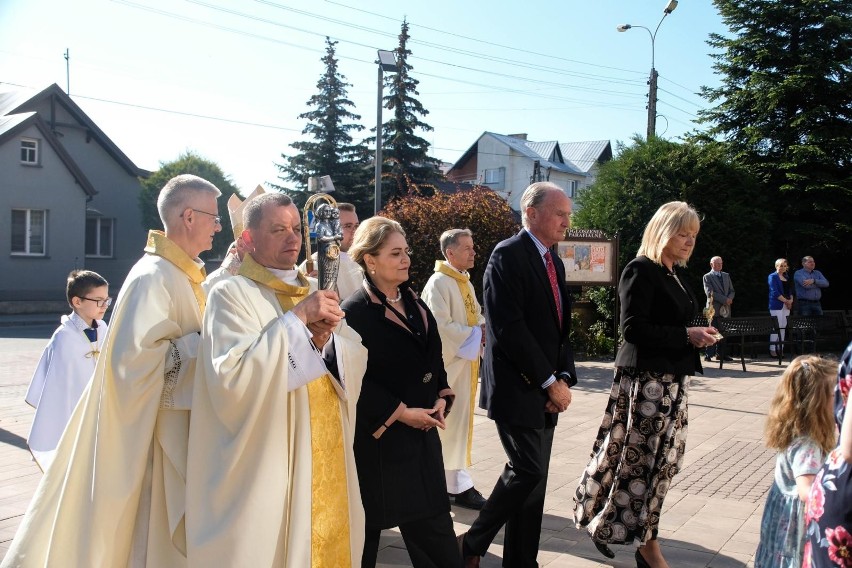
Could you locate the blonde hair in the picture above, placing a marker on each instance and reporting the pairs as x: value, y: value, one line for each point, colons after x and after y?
x: 801, y: 404
x: 779, y: 262
x: 370, y: 236
x: 669, y: 219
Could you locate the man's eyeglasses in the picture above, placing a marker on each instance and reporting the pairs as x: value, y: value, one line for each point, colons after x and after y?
x: 105, y: 303
x: 216, y: 218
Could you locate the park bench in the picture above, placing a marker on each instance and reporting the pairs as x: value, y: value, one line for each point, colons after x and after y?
x: 749, y: 332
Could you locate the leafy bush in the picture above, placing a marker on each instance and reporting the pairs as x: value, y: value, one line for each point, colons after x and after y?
x: 189, y: 163
x: 424, y: 218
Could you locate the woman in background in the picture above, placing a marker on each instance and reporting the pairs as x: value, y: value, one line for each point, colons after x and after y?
x: 780, y: 303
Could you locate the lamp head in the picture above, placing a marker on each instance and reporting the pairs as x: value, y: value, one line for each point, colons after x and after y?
x: 387, y: 60
x: 623, y: 27
x: 670, y: 7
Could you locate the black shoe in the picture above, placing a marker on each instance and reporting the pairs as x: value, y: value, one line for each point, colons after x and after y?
x: 726, y: 358
x: 708, y: 358
x: 640, y: 560
x: 470, y: 499
x: 604, y: 549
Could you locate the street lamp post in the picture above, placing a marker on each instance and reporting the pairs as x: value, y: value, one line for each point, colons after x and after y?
x: 652, y: 80
x: 387, y: 62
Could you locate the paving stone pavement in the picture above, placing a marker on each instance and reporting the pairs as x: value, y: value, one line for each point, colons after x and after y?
x: 711, y: 516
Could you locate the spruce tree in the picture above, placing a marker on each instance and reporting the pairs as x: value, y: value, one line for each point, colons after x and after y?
x: 405, y: 154
x: 331, y: 150
x: 785, y: 108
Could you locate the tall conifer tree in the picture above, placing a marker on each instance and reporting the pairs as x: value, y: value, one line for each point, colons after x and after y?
x: 785, y: 108
x: 331, y: 151
x: 405, y: 154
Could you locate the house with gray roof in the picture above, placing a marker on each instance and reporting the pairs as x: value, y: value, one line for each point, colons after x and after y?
x: 509, y: 163
x: 68, y: 195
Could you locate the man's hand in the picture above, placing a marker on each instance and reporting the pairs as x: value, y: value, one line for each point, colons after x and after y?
x: 320, y: 306
x: 559, y: 396
x: 729, y: 301
x: 320, y: 332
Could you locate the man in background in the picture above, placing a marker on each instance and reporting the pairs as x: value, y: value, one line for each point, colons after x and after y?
x: 719, y: 284
x: 809, y: 285
x: 451, y: 297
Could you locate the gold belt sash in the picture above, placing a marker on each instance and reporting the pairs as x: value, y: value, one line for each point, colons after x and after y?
x: 330, y: 547
x: 472, y: 314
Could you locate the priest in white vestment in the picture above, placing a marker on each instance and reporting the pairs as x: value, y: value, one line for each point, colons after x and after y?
x: 114, y: 495
x: 233, y: 258
x: 350, y: 276
x: 450, y: 296
x: 271, y: 478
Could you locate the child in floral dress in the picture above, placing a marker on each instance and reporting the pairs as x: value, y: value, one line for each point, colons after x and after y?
x: 801, y: 427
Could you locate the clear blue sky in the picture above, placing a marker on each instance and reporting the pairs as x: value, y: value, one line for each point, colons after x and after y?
x: 554, y: 69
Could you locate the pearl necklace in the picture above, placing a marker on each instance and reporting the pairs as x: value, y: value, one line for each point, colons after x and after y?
x: 398, y: 297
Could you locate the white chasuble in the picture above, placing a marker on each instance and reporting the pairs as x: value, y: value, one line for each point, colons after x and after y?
x: 114, y: 495
x: 64, y: 370
x: 450, y: 296
x: 271, y: 474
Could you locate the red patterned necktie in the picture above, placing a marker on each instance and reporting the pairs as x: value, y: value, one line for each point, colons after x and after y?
x: 554, y: 285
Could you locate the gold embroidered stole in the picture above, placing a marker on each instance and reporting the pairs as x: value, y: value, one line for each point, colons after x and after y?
x: 160, y: 245
x: 463, y: 281
x: 330, y: 545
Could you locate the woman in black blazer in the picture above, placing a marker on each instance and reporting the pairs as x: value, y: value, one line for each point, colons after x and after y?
x: 641, y: 442
x: 404, y: 397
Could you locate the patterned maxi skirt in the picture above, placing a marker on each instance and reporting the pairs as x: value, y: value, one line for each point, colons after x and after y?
x: 638, y: 450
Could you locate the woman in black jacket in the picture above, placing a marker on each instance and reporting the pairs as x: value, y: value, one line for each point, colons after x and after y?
x: 404, y: 397
x: 642, y: 439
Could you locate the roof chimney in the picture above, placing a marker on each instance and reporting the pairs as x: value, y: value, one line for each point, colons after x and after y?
x: 519, y: 136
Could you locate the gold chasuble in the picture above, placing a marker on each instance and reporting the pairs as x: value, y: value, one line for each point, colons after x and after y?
x: 472, y: 312
x: 329, y: 499
x: 115, y: 492
x: 271, y: 476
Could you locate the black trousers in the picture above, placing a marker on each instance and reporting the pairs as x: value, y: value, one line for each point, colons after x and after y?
x: 431, y: 543
x: 517, y: 499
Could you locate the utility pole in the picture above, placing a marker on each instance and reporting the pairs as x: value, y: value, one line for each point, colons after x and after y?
x: 652, y: 104
x: 652, y: 79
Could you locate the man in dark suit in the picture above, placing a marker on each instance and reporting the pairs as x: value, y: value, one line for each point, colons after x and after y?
x: 527, y: 370
x: 719, y: 283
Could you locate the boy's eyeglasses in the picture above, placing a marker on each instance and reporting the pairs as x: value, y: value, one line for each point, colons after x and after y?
x: 101, y: 303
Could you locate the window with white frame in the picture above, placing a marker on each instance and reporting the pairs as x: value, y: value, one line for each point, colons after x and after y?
x: 29, y: 232
x: 572, y: 188
x: 495, y: 177
x: 99, y: 235
x: 29, y: 151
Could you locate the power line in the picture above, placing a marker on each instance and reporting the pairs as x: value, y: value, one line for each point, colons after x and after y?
x: 550, y: 55
x: 240, y: 32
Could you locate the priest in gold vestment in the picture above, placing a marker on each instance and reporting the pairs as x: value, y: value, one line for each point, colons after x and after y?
x: 114, y: 495
x: 271, y: 478
x: 450, y: 296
